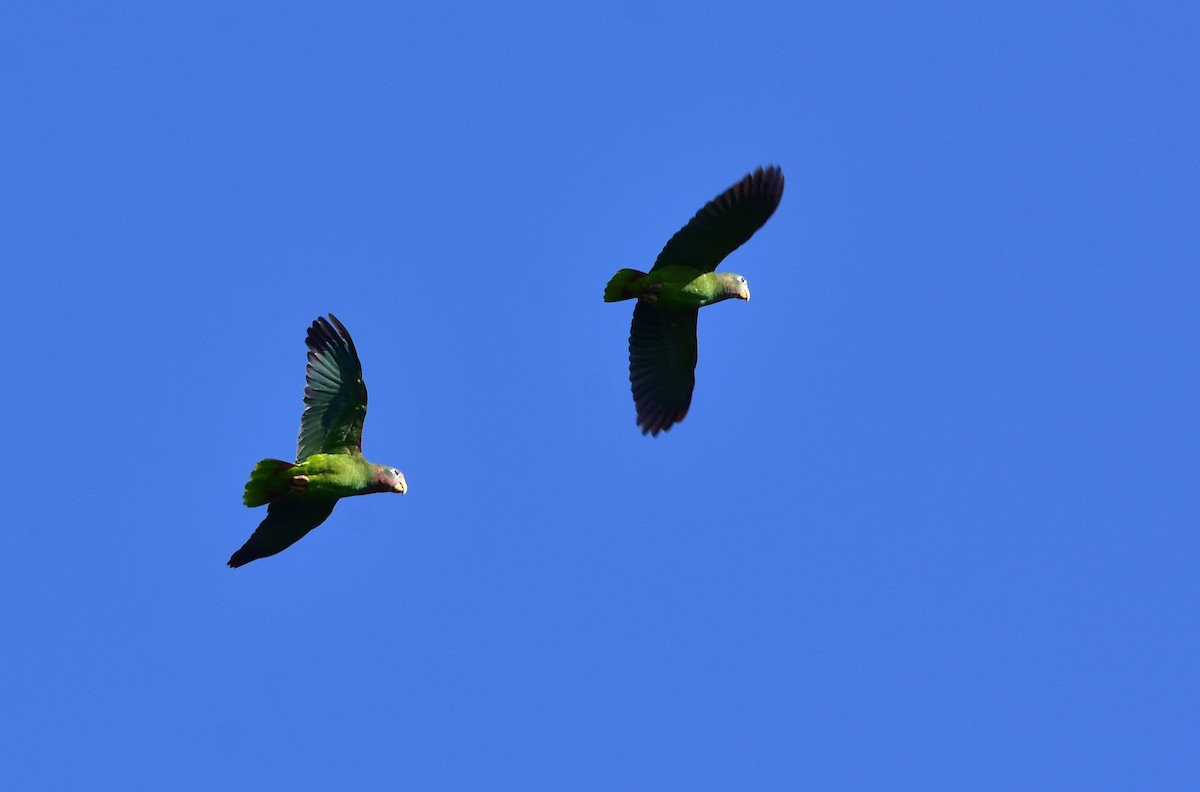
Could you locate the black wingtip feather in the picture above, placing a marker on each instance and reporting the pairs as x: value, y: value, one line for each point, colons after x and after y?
x: 328, y: 333
x: 764, y: 185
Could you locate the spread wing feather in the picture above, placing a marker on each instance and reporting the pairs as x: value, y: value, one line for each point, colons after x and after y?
x: 662, y: 365
x: 335, y: 396
x: 286, y: 523
x: 725, y: 222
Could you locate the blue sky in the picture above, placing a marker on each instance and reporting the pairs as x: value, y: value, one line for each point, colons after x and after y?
x: 930, y: 524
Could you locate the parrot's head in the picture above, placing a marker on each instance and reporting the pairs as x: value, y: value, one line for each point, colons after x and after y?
x: 734, y: 285
x: 390, y: 480
x: 743, y: 290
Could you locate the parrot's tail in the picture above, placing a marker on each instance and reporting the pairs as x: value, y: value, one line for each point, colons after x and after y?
x: 617, y: 288
x: 257, y: 488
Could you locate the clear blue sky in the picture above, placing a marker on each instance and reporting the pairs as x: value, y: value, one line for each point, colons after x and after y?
x: 930, y: 524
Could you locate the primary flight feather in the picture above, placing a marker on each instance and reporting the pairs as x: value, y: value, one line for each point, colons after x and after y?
x: 329, y: 463
x: 662, y: 340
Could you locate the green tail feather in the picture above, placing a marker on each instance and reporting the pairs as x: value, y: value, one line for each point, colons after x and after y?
x: 256, y: 493
x: 616, y: 290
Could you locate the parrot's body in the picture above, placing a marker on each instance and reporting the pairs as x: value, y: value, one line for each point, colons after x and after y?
x: 676, y: 288
x: 320, y: 477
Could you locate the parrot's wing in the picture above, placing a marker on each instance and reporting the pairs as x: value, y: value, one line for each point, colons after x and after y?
x: 287, y: 521
x: 335, y: 397
x: 725, y: 222
x: 662, y: 365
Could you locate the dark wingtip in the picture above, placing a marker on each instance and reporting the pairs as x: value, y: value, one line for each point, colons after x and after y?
x: 654, y: 419
x: 341, y: 327
x: 766, y: 181
x: 653, y: 431
x: 238, y: 559
x: 325, y: 333
x: 773, y: 177
x: 655, y: 425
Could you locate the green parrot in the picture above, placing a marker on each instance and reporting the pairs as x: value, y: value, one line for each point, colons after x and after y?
x: 662, y: 341
x: 329, y: 462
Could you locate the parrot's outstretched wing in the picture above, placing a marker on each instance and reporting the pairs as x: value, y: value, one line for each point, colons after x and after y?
x: 286, y: 523
x: 662, y: 365
x: 725, y: 222
x: 335, y: 397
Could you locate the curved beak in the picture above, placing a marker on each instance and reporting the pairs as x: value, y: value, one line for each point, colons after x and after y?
x: 401, y: 485
x: 744, y: 293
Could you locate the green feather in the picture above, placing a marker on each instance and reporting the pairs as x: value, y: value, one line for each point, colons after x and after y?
x: 263, y: 486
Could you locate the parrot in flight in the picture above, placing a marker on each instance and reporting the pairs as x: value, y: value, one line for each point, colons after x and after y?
x: 329, y: 462
x: 662, y: 341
